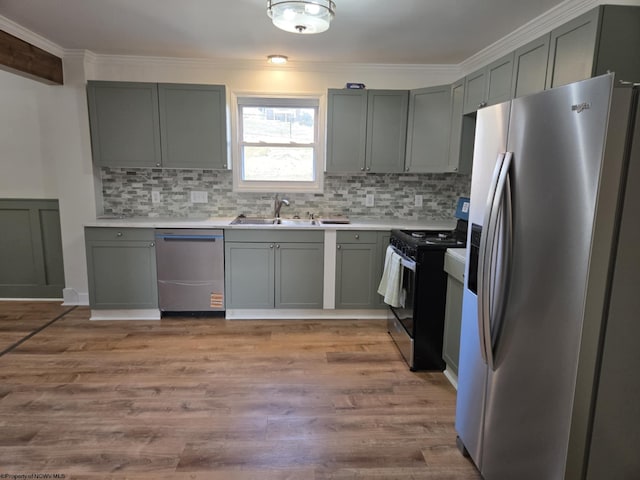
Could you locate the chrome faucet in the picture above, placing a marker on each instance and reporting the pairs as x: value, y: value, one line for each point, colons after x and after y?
x: 277, y: 205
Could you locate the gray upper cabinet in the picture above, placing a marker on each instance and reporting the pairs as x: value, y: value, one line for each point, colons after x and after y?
x: 490, y: 85
x: 158, y: 125
x: 125, y: 125
x: 475, y: 87
x: 499, y: 78
x: 571, y: 53
x: 428, y: 131
x: 193, y: 125
x: 366, y: 130
x: 386, y: 130
x: 346, y: 130
x: 602, y: 40
x: 121, y: 265
x: 530, y: 67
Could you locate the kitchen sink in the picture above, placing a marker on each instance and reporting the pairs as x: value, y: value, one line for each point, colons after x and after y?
x: 290, y: 222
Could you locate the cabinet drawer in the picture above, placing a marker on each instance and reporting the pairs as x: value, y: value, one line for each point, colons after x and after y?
x: 357, y: 237
x: 114, y: 233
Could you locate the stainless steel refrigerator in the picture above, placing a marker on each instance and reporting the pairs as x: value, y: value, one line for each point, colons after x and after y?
x: 549, y: 376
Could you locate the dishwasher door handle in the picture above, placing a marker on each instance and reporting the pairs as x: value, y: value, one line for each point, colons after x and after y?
x: 200, y: 238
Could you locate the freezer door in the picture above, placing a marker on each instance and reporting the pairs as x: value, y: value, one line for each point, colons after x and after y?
x: 490, y: 145
x: 557, y: 139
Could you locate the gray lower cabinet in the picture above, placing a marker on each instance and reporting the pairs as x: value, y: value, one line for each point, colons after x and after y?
x: 453, y: 313
x: 359, y: 263
x: 366, y: 130
x: 135, y: 124
x: 428, y: 131
x: 267, y: 269
x: 604, y: 39
x: 31, y: 264
x: 121, y: 266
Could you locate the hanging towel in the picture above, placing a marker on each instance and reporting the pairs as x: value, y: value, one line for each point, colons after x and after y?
x: 391, y: 282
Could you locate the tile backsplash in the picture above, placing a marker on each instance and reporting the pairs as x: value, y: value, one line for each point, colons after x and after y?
x: 127, y: 192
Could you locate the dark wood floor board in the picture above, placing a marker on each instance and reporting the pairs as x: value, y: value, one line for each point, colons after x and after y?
x: 201, y: 398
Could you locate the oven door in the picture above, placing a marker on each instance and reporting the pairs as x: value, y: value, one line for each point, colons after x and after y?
x: 404, y: 313
x: 400, y: 323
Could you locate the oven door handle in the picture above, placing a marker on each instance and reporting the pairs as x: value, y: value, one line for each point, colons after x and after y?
x: 406, y: 261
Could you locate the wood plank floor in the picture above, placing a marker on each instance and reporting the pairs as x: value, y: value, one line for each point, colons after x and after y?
x: 188, y: 398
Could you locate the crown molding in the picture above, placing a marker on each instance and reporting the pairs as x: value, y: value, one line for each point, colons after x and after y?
x: 556, y: 16
x: 28, y: 36
x: 262, y: 65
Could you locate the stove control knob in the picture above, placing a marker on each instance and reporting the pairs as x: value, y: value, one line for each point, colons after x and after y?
x: 442, y: 235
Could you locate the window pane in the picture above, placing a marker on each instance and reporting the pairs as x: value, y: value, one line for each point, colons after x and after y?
x: 285, y: 164
x: 278, y: 125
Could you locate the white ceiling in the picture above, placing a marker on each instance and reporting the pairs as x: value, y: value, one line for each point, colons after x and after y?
x: 364, y: 31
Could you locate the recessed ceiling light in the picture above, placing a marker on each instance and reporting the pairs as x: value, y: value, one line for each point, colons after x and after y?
x: 277, y: 59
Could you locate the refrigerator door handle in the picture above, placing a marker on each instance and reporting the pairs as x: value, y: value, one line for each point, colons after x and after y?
x: 500, y: 227
x: 484, y: 266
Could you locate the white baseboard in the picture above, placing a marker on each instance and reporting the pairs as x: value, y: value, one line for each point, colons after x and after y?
x: 73, y: 297
x: 141, y: 314
x: 31, y: 300
x: 452, y: 377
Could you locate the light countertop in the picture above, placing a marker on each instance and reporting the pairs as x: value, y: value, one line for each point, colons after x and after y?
x: 225, y: 222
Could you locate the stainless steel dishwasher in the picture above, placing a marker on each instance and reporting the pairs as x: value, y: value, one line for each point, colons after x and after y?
x: 190, y: 265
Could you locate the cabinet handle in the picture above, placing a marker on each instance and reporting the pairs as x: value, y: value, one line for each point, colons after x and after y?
x: 357, y: 236
x: 362, y: 169
x: 482, y: 104
x: 157, y: 164
x: 119, y: 234
x: 368, y: 168
x: 271, y: 246
x: 152, y: 244
x: 339, y: 247
x: 277, y: 246
x: 407, y: 169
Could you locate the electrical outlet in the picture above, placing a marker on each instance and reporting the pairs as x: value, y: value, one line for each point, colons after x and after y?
x: 418, y: 201
x: 199, y: 197
x: 155, y: 196
x: 369, y: 200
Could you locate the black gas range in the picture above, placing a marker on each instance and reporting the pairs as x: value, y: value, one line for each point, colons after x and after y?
x: 417, y: 326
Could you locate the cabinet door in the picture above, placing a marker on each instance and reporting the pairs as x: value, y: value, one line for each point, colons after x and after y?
x: 428, y: 130
x: 455, y: 136
x: 193, y: 125
x: 346, y: 130
x: 530, y: 67
x: 386, y: 130
x: 452, y: 325
x: 356, y: 275
x: 299, y: 275
x: 618, y: 42
x: 499, y: 78
x: 122, y: 274
x: 125, y: 126
x: 572, y: 48
x: 475, y: 89
x: 249, y: 274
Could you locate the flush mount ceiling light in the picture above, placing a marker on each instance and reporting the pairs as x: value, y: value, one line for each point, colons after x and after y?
x: 277, y: 59
x: 301, y: 16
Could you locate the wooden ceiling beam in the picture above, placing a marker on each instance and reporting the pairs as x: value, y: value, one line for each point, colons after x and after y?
x: 25, y: 59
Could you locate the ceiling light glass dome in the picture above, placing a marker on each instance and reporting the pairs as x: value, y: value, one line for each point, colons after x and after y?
x: 301, y: 16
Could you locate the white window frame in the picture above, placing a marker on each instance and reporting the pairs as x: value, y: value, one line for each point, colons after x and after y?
x: 317, y: 101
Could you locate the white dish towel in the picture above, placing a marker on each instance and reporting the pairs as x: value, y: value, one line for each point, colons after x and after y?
x: 391, y: 283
